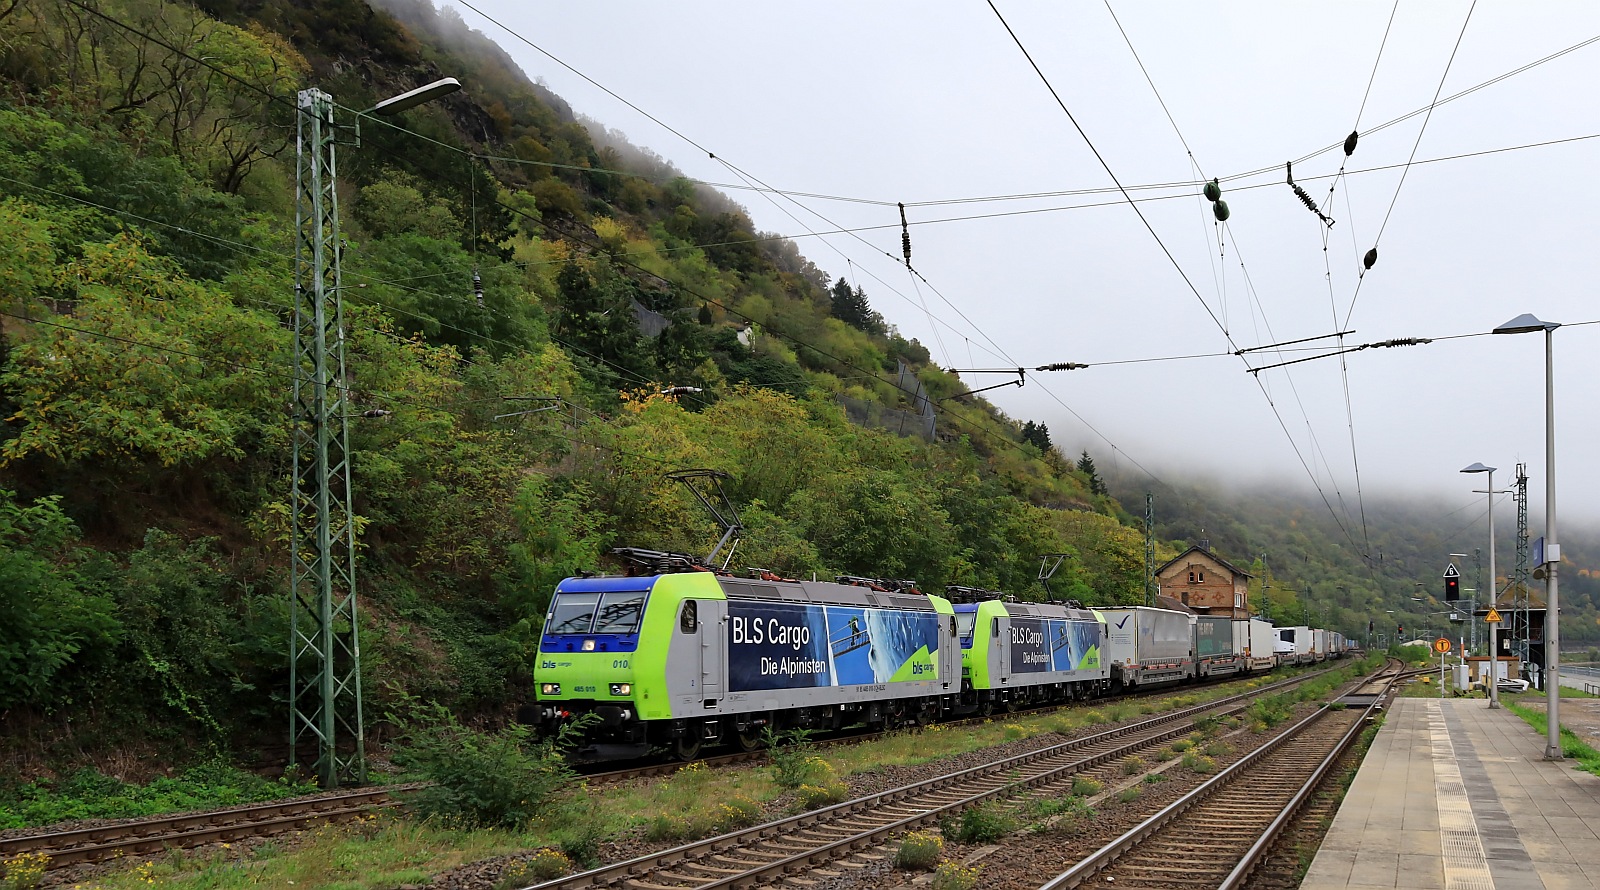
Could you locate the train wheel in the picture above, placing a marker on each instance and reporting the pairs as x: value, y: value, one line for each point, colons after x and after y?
x: 986, y: 709
x: 686, y: 747
x: 750, y: 739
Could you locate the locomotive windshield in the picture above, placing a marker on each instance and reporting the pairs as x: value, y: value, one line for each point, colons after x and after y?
x: 619, y: 613
x: 572, y: 613
x: 600, y: 613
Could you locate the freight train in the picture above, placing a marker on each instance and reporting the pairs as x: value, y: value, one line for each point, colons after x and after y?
x: 675, y: 656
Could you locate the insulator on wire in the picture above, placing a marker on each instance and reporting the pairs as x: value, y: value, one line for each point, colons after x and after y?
x: 1220, y: 210
x: 1371, y: 259
x: 1350, y: 143
x: 477, y: 287
x: 1305, y: 198
x: 1213, y: 191
x: 905, y: 236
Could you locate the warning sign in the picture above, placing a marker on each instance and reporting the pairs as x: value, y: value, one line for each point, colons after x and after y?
x: 1493, y: 617
x: 1441, y: 645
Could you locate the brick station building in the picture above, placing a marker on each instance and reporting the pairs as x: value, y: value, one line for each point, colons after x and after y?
x: 1206, y: 583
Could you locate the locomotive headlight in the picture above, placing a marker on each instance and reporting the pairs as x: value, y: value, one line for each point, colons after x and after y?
x: 550, y: 688
x: 588, y: 646
x: 621, y: 688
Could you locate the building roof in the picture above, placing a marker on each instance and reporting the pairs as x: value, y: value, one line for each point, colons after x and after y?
x: 1175, y: 605
x: 1209, y: 555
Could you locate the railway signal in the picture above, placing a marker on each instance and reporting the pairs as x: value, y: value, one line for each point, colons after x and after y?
x: 1452, y: 583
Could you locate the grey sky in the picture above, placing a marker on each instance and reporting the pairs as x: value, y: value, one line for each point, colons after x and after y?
x: 924, y: 101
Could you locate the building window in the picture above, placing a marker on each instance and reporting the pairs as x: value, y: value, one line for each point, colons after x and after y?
x: 1202, y: 577
x: 1185, y: 596
x: 1191, y: 577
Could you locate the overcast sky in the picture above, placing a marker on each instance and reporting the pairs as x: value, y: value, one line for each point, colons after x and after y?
x: 920, y: 101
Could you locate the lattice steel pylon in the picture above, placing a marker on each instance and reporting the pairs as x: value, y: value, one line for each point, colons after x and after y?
x: 324, y: 649
x: 1519, y: 601
x: 1150, y: 588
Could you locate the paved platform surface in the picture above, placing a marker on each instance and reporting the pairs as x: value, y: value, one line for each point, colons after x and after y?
x: 1455, y: 796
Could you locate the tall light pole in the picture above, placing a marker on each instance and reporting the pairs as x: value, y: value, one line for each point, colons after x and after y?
x: 324, y: 643
x: 1526, y: 323
x: 1494, y: 640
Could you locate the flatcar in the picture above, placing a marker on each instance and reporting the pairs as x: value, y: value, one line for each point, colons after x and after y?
x: 1149, y: 646
x: 676, y: 657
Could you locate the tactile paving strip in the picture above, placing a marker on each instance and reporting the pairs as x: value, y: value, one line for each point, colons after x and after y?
x: 1465, y: 865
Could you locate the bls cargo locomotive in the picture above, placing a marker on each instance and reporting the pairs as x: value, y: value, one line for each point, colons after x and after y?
x: 675, y: 656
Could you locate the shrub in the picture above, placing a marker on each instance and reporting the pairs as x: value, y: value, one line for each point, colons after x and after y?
x: 954, y: 876
x: 502, y: 779
x: 919, y: 850
x: 1083, y: 786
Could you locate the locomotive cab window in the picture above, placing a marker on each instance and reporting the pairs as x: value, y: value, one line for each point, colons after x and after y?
x: 572, y: 613
x: 994, y: 628
x: 619, y: 612
x: 965, y: 623
x: 689, y: 618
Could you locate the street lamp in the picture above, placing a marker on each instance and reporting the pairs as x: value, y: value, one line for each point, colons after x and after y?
x: 1494, y: 675
x: 1526, y: 323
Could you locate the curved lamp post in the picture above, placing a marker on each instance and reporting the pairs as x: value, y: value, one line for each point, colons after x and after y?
x: 1526, y: 323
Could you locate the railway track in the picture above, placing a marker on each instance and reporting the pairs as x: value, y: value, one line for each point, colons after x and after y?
x: 1216, y: 835
x: 158, y: 834
x: 827, y: 841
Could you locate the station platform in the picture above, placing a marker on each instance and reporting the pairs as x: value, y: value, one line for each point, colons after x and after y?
x: 1455, y: 796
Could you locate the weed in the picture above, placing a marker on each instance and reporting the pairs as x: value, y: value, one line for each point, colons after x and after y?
x: 24, y: 871
x: 790, y: 754
x: 1015, y: 731
x: 1095, y: 717
x: 541, y: 866
x: 1154, y: 778
x: 1182, y: 745
x: 737, y: 813
x: 1132, y: 765
x: 982, y: 824
x: 1166, y: 754
x: 954, y: 876
x: 919, y: 850
x: 813, y: 796
x: 672, y: 827
x: 1218, y: 749
x: 1207, y: 723
x: 1083, y: 786
x: 1129, y: 795
x: 1197, y: 762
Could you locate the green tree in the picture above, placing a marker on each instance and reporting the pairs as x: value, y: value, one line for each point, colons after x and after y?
x: 47, y: 620
x: 1086, y: 467
x: 1037, y: 435
x: 850, y: 306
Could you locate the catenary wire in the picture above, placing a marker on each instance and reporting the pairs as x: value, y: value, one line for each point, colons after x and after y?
x: 1414, y: 146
